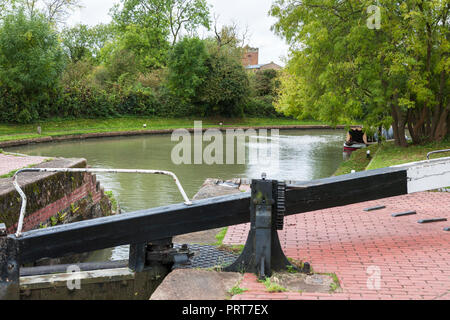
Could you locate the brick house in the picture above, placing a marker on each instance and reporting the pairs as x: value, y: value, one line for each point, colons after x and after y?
x: 250, y: 61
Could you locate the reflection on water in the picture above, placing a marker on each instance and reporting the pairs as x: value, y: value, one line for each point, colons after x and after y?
x: 304, y: 155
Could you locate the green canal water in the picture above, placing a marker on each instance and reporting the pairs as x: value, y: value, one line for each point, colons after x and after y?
x: 303, y: 155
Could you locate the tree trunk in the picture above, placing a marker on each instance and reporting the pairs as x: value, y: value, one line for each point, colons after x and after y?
x: 399, y: 126
x: 442, y: 128
x: 448, y: 126
x: 411, y: 121
x: 419, y: 125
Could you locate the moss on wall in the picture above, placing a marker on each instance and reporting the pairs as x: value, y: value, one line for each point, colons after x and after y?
x: 43, y: 189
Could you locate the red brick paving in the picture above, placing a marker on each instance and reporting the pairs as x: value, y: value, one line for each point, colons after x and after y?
x: 414, y: 259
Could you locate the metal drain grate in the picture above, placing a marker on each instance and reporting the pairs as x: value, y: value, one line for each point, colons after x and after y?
x: 208, y: 257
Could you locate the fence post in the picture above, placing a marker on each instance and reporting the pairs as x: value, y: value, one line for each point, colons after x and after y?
x: 9, y: 267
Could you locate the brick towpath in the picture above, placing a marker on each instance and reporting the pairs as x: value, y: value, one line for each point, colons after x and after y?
x: 9, y: 162
x: 413, y: 260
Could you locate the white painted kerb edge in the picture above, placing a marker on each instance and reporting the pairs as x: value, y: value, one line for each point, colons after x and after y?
x: 427, y: 175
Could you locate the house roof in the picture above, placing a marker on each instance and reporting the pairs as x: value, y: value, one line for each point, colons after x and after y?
x: 259, y: 66
x: 255, y: 66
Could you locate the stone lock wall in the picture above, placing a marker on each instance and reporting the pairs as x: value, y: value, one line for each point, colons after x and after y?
x: 53, y: 198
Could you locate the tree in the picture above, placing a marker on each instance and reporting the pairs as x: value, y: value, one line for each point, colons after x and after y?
x: 169, y: 17
x: 230, y: 35
x: 148, y: 47
x: 341, y: 70
x: 31, y: 63
x: 265, y: 82
x: 6, y: 6
x: 77, y: 42
x: 82, y: 41
x: 187, y: 68
x: 187, y: 14
x: 149, y: 27
x: 142, y: 28
x: 211, y: 81
x: 226, y: 86
x: 56, y: 11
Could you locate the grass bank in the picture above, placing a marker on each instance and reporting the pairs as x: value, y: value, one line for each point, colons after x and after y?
x: 54, y: 128
x: 358, y: 161
x: 388, y: 154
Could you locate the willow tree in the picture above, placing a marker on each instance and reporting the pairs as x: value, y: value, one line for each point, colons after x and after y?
x: 353, y: 61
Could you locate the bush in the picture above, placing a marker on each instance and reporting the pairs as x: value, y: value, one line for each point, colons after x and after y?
x: 80, y: 101
x: 225, y: 88
x: 264, y: 83
x: 187, y: 68
x: 31, y: 63
x: 138, y: 102
x: 261, y: 107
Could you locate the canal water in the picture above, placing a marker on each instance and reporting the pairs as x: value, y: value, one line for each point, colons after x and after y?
x: 303, y: 155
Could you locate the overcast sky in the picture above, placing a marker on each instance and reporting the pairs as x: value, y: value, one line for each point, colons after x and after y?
x: 253, y: 13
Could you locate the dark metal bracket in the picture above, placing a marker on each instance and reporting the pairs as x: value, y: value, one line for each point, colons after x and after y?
x: 9, y: 267
x: 263, y: 253
x: 160, y: 252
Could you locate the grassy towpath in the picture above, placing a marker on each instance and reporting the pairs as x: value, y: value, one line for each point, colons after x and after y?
x: 55, y: 128
x: 388, y: 154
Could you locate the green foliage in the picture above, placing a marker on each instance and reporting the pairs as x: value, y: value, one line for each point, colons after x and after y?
x: 121, y: 66
x: 208, y: 78
x: 220, y: 236
x: 273, y: 287
x: 261, y: 107
x: 76, y: 40
x: 291, y: 269
x: 112, y: 199
x: 342, y: 71
x: 31, y: 63
x: 53, y: 221
x: 84, y: 42
x: 187, y: 68
x: 161, y: 18
x: 391, y: 155
x: 149, y: 48
x: 225, y: 88
x: 83, y: 101
x: 146, y: 26
x: 265, y: 83
x: 5, y: 7
x: 358, y: 161
x: 236, y: 290
x: 135, y: 66
x: 54, y: 11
